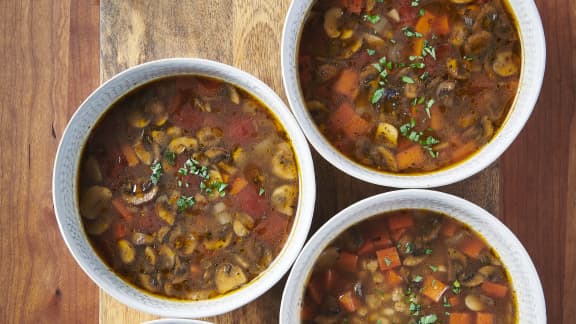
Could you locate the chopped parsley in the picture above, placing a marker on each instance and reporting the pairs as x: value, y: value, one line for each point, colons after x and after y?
x: 407, y: 130
x: 417, y: 278
x: 429, y: 105
x: 410, y: 32
x: 433, y: 268
x: 387, y: 261
x: 428, y: 319
x: 421, y: 12
x: 184, y: 203
x: 370, y: 51
x: 392, y: 40
x: 157, y: 171
x: 428, y: 50
x: 445, y: 302
x: 456, y: 287
x: 407, y: 79
x: 261, y: 191
x: 170, y: 157
x: 415, y: 3
x: 372, y: 18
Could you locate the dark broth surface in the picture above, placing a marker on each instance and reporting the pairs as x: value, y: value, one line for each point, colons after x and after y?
x: 409, y: 267
x: 409, y: 86
x: 188, y: 187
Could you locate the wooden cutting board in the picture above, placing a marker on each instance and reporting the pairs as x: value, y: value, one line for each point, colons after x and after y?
x: 247, y: 35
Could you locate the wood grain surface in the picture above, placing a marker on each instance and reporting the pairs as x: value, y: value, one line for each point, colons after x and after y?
x: 56, y: 52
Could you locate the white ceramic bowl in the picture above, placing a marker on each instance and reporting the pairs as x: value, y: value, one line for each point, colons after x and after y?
x: 525, y: 280
x: 65, y: 188
x: 531, y: 76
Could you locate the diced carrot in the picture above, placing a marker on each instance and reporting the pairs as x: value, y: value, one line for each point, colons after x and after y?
x: 388, y: 258
x: 347, y: 83
x: 349, y: 122
x: 449, y: 228
x: 366, y: 248
x: 349, y: 302
x: 460, y: 318
x: 433, y: 288
x: 122, y: 209
x: 237, y: 185
x: 454, y: 300
x: 354, y: 6
x: 424, y: 24
x: 315, y: 290
x: 347, y: 261
x: 494, y: 289
x: 472, y: 247
x: 400, y: 220
x: 120, y: 230
x: 436, y: 118
x: 412, y: 157
x: 397, y: 234
x: 427, y: 24
x: 130, y: 155
x: 441, y: 26
x: 393, y: 278
x: 464, y: 150
x: 484, y: 318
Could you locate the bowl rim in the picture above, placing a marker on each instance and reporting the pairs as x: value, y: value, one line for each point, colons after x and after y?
x: 530, y: 28
x: 66, y: 207
x: 529, y: 293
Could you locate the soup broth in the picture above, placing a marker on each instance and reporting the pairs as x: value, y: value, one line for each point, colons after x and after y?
x: 409, y: 266
x: 409, y: 86
x: 188, y: 187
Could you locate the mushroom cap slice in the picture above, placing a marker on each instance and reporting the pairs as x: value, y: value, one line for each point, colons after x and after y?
x: 283, y: 163
x: 228, y: 276
x: 95, y: 201
x: 284, y: 199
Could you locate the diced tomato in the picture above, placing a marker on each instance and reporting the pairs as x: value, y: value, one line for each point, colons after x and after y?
x: 187, y: 117
x: 354, y: 6
x: 251, y: 202
x: 241, y: 130
x: 272, y: 229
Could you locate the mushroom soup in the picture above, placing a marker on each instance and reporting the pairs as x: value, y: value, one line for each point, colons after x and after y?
x: 409, y: 86
x: 188, y: 187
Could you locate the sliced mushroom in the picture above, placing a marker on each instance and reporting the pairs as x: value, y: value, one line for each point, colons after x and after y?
x: 394, y: 15
x: 142, y: 239
x: 458, y: 34
x: 167, y: 257
x: 184, y: 244
x: 245, y: 220
x: 346, y: 34
x: 95, y: 202
x: 240, y: 157
x: 284, y: 199
x: 229, y: 276
x: 384, y: 157
x: 174, y: 131
x: 506, y: 64
x: 158, y: 111
x: 432, y: 234
x: 283, y: 163
x: 210, y: 136
x: 331, y: 18
x: 99, y: 225
x: 161, y: 233
x: 477, y: 43
x: 373, y: 41
x: 239, y: 229
x: 143, y: 154
x: 457, y: 69
x: 472, y: 280
x: 488, y: 128
x: 325, y: 72
x: 216, y: 154
x: 234, y: 96
x: 138, y: 119
x: 149, y: 257
x: 91, y: 169
x: 387, y: 134
x: 412, y: 260
x: 163, y: 212
x: 149, y: 282
x: 223, y: 218
x: 140, y: 197
x: 220, y: 241
x: 183, y: 143
x: 126, y: 251
x: 478, y: 303
x: 159, y: 137
x: 444, y: 88
x: 352, y: 48
x: 489, y: 272
x: 461, y: 1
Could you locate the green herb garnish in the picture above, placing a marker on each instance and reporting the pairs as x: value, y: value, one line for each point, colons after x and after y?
x: 372, y: 18
x: 170, y: 157
x: 409, y: 32
x: 184, y: 203
x: 157, y: 171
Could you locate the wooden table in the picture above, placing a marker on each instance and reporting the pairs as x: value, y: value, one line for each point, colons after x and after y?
x: 56, y: 52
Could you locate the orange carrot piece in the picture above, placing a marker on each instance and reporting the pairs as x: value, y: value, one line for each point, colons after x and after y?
x: 349, y: 122
x: 122, y: 209
x: 427, y: 24
x: 393, y: 278
x: 436, y: 118
x: 460, y: 318
x: 449, y: 229
x: 433, y: 288
x: 412, y: 157
x: 349, y: 302
x: 130, y: 155
x: 493, y: 289
x: 472, y: 247
x: 347, y: 261
x: 399, y: 221
x: 366, y: 248
x: 484, y: 318
x: 238, y: 184
x: 441, y: 25
x: 315, y: 290
x: 347, y: 83
x: 454, y: 300
x: 388, y: 258
x: 463, y: 151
